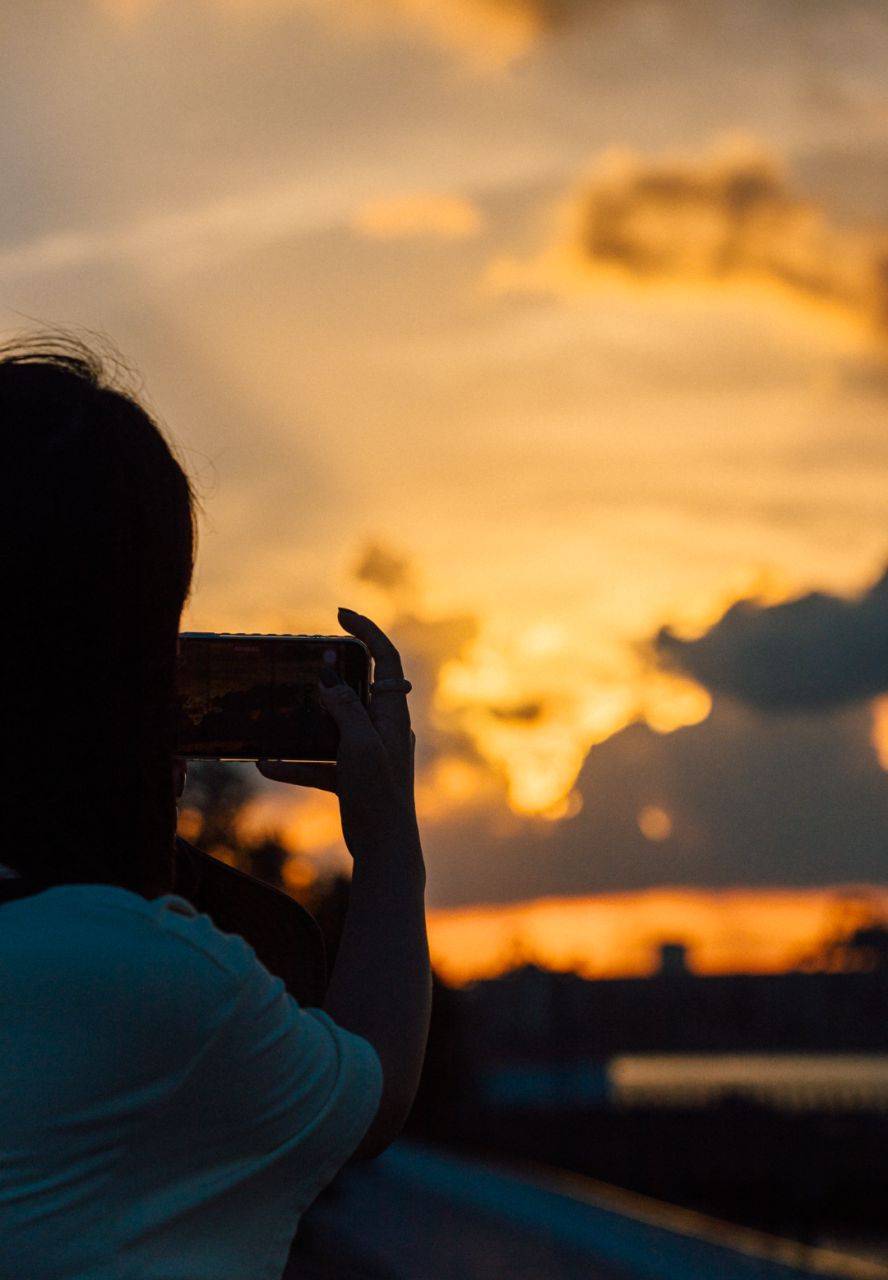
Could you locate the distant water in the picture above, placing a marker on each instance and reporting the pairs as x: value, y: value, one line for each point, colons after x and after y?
x: 795, y: 1081
x: 802, y: 1081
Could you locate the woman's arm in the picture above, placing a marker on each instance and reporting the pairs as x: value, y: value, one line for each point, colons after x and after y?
x: 380, y: 986
x: 381, y: 983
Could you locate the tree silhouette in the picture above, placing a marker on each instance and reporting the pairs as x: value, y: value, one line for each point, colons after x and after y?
x: 858, y: 941
x: 266, y: 860
x: 216, y: 795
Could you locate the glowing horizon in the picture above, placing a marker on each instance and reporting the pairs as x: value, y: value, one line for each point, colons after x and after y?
x: 619, y: 935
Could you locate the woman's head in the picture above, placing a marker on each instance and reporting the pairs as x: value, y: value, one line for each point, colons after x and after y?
x: 96, y: 518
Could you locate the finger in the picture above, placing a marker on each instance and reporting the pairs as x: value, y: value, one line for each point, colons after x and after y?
x: 391, y: 720
x: 346, y: 708
x: 388, y: 707
x: 386, y: 658
x: 320, y: 776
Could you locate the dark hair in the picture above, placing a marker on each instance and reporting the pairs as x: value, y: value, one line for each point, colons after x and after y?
x: 98, y: 538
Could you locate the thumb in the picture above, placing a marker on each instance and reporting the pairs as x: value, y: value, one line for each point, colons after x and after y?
x: 300, y: 773
x: 344, y: 705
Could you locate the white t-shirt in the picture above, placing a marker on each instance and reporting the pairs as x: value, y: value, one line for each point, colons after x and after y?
x: 167, y: 1110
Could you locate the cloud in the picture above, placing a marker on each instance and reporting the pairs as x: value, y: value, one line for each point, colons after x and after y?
x: 488, y: 32
x: 726, y: 218
x: 524, y: 712
x: 797, y: 797
x: 177, y: 240
x: 426, y: 640
x: 751, y: 799
x: 380, y: 566
x: 167, y: 243
x: 400, y: 217
x: 815, y: 651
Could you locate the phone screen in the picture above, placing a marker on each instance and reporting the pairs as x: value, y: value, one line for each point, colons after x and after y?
x: 256, y: 697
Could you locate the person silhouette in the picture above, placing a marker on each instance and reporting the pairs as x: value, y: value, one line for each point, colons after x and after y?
x: 168, y: 1107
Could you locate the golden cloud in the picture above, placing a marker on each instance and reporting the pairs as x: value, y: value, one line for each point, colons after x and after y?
x: 399, y: 217
x: 506, y: 702
x: 491, y: 33
x: 728, y: 218
x: 382, y: 567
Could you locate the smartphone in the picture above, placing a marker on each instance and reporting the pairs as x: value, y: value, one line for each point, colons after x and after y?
x: 253, y: 697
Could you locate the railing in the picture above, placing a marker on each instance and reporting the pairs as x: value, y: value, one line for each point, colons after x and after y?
x: 419, y: 1213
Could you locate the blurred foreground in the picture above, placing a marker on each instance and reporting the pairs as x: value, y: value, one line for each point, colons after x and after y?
x: 417, y: 1213
x: 758, y: 1098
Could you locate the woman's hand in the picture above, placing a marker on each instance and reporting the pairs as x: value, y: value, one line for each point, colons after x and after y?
x: 373, y: 774
x: 380, y: 986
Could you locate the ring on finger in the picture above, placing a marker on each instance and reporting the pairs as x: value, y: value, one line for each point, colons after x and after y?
x: 391, y: 684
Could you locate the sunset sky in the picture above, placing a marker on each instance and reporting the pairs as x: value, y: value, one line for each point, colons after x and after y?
x: 544, y: 331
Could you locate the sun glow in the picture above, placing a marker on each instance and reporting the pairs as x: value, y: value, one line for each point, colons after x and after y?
x: 450, y: 785
x: 619, y: 935
x: 654, y: 823
x: 305, y: 822
x: 880, y: 730
x: 535, y: 721
x: 535, y: 694
x: 445, y: 217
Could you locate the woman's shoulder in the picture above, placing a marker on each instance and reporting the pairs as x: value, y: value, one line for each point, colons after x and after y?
x: 76, y: 960
x: 103, y: 924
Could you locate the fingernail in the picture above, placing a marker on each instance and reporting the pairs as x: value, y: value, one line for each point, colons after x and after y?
x: 328, y: 677
x: 342, y: 609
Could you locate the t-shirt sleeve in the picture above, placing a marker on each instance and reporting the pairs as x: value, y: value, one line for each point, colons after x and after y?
x: 355, y: 1091
x: 282, y: 1087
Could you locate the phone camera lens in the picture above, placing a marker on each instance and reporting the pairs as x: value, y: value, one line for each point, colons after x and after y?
x: 330, y: 656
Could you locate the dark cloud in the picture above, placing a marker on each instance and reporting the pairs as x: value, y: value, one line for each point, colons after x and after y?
x: 425, y: 642
x: 761, y: 801
x: 796, y: 797
x: 425, y: 645
x: 816, y: 651
x: 519, y: 712
x: 727, y: 217
x: 382, y: 567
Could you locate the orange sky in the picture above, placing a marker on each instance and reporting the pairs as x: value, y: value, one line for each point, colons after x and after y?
x: 619, y: 935
x: 450, y: 326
